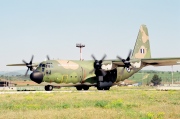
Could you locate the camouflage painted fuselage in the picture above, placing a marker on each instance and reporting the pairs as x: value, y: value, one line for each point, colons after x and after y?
x: 74, y: 73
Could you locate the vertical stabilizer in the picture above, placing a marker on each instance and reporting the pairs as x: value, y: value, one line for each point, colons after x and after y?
x: 142, y: 46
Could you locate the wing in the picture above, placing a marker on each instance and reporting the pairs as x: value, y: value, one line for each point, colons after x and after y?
x: 161, y: 61
x: 34, y: 64
x: 16, y: 65
x: 118, y: 63
x: 152, y: 61
x: 121, y: 64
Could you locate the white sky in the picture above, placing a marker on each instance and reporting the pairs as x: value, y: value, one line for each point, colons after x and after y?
x: 42, y: 27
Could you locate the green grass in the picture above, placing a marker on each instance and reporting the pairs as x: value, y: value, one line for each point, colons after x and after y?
x: 146, y: 77
x: 118, y: 103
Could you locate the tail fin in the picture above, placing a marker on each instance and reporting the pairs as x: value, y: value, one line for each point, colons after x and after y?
x: 142, y: 46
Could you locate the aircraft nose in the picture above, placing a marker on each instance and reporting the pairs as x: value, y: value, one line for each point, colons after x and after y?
x: 36, y: 76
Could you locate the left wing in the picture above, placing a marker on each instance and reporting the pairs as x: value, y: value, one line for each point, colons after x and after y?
x: 161, y: 61
x: 119, y: 63
x: 151, y: 61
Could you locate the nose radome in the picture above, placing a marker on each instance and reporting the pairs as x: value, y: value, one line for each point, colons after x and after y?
x: 36, y: 76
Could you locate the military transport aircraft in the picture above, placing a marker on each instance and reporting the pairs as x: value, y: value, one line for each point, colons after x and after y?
x: 99, y: 73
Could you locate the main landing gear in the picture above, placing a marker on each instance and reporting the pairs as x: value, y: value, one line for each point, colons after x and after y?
x: 103, y: 88
x: 48, y: 88
x: 82, y: 87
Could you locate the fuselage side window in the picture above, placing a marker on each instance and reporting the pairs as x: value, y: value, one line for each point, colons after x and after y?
x: 49, y: 65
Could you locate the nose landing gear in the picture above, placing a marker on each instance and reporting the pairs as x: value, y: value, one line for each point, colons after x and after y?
x: 82, y: 87
x: 48, y: 88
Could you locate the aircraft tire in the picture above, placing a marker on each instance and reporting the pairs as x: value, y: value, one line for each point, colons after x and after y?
x: 106, y: 88
x: 48, y: 88
x: 86, y: 87
x: 99, y: 88
x: 79, y: 88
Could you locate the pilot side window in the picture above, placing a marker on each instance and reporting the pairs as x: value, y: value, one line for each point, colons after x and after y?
x: 42, y: 69
x: 40, y: 65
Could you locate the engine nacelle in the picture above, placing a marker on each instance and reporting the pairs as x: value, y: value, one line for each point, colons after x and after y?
x: 108, y: 65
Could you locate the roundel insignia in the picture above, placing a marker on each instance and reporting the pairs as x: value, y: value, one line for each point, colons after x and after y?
x: 128, y: 70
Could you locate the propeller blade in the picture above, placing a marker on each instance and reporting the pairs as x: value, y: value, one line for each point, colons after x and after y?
x: 31, y: 59
x: 24, y: 62
x: 93, y: 57
x: 97, y: 66
x: 48, y: 57
x: 28, y: 65
x: 119, y: 58
x: 103, y: 57
x: 129, y: 55
x: 26, y: 72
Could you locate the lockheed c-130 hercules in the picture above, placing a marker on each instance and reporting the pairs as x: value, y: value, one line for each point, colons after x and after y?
x: 99, y: 73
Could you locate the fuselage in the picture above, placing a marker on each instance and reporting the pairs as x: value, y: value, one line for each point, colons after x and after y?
x: 75, y: 72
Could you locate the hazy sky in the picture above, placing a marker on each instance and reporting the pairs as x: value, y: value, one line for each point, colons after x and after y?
x: 110, y: 27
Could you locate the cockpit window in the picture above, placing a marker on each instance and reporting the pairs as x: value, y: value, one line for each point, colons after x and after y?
x: 40, y: 65
x: 43, y: 65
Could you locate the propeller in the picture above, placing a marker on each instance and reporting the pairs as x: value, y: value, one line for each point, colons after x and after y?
x: 98, y: 64
x: 47, y: 57
x: 29, y: 65
x: 127, y: 63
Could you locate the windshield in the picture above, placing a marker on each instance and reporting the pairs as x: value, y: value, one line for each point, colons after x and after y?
x: 41, y: 65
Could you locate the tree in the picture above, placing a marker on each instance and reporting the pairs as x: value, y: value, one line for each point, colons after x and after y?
x: 156, y: 80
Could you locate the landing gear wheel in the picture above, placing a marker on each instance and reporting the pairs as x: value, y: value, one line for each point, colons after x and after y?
x: 86, y: 87
x: 48, y: 88
x: 99, y: 88
x: 79, y: 88
x: 106, y: 88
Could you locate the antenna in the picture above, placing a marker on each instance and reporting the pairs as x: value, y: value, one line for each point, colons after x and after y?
x: 79, y: 45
